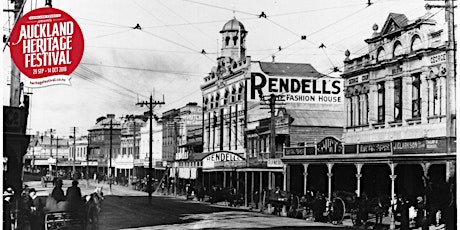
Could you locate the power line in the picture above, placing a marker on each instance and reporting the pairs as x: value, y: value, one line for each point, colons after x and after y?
x: 175, y: 43
x: 148, y: 70
x: 220, y: 7
x: 105, y: 35
x: 158, y: 19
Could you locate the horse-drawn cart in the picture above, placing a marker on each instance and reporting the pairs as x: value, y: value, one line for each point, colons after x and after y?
x: 63, y: 220
x: 83, y: 216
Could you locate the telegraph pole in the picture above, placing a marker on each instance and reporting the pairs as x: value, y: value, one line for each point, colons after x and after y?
x: 51, y: 150
x: 271, y: 100
x: 74, y: 150
x: 88, y: 150
x: 15, y: 83
x: 57, y: 154
x: 150, y: 104
x: 110, y: 154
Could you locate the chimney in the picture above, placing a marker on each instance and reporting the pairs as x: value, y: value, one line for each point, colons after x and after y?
x: 111, y: 116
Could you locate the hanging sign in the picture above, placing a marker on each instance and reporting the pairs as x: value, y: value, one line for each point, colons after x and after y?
x: 46, y: 45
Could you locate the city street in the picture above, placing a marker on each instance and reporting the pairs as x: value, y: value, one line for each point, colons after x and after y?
x: 129, y: 209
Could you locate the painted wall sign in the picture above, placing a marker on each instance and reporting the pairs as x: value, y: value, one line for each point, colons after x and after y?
x: 438, y: 58
x: 375, y: 147
x: 46, y: 45
x: 297, y: 89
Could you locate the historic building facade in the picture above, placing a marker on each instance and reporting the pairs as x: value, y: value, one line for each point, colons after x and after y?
x: 396, y: 108
x: 225, y: 109
x: 236, y: 117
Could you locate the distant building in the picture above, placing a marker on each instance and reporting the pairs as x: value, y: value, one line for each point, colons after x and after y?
x: 100, y: 137
x: 125, y: 162
x: 46, y: 151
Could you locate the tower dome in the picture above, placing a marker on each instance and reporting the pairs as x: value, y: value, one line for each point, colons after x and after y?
x: 233, y: 25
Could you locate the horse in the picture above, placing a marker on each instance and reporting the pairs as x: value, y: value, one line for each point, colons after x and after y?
x: 93, y: 206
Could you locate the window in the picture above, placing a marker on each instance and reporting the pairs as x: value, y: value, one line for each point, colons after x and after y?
x: 398, y: 99
x: 435, y: 96
x: 380, y: 55
x: 416, y: 43
x: 365, y: 109
x: 381, y: 102
x: 235, y: 38
x: 233, y: 94
x: 212, y: 103
x: 416, y: 96
x: 217, y: 100
x: 227, y: 41
x: 226, y: 97
x: 240, y: 93
x: 398, y: 49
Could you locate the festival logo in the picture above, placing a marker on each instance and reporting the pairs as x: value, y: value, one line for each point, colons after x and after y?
x: 46, y: 45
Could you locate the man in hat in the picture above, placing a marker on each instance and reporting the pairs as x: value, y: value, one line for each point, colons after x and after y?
x: 7, y: 207
x: 36, y: 211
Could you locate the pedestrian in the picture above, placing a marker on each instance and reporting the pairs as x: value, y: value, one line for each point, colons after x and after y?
x: 57, y: 193
x: 36, y: 217
x: 7, y: 209
x: 73, y: 196
x: 256, y: 199
x: 421, y: 219
x: 404, y: 207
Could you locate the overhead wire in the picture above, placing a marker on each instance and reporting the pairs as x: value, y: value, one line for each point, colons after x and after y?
x: 220, y: 7
x: 171, y: 28
x: 180, y: 16
x: 148, y: 70
x: 110, y: 81
x: 106, y: 35
x: 178, y: 44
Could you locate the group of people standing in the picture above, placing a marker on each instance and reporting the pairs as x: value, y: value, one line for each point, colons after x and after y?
x: 33, y: 207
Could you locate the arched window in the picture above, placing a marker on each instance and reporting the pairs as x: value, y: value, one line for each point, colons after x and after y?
x: 233, y: 94
x: 240, y: 92
x: 381, y: 54
x: 226, y: 97
x: 398, y: 49
x: 227, y: 40
x: 212, y: 103
x: 217, y: 100
x: 235, y: 38
x: 416, y: 43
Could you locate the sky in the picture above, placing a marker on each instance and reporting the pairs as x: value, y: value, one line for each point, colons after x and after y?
x: 122, y: 66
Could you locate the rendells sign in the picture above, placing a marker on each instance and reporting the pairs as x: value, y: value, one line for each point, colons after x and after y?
x: 297, y: 89
x: 46, y: 45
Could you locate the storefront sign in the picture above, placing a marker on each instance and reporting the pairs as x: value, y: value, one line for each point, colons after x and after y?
x: 223, y: 156
x: 407, y: 146
x: 420, y: 146
x: 329, y: 145
x: 274, y: 163
x: 375, y: 147
x: 294, y: 151
x: 297, y: 89
x: 46, y: 45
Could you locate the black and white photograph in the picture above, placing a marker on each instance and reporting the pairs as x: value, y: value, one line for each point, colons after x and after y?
x: 229, y: 114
